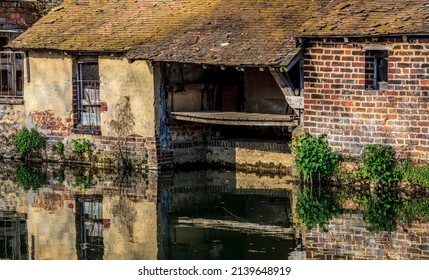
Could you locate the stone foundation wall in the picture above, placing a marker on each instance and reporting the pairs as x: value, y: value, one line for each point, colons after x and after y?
x: 251, y: 156
x: 107, y: 152
x: 11, y: 120
x: 348, y: 238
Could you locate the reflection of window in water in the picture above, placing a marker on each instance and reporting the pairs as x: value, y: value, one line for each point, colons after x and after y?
x: 89, y: 227
x: 13, y: 236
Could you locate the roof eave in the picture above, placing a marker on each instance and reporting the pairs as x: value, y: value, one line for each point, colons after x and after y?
x: 337, y: 36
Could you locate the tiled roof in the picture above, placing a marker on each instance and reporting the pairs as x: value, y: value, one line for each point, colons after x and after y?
x: 369, y: 17
x: 229, y: 32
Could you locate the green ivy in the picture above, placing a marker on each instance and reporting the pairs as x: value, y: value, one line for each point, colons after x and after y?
x: 82, y: 182
x: 415, y: 209
x: 313, y: 157
x: 29, y: 142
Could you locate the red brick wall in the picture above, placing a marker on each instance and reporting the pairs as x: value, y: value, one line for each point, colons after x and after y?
x: 144, y: 152
x: 15, y: 15
x: 338, y: 103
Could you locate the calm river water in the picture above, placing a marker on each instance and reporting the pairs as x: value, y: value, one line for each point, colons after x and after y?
x: 77, y: 213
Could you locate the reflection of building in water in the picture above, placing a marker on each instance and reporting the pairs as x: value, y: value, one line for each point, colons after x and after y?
x: 51, y: 224
x: 120, y: 219
x: 206, y: 215
x: 13, y: 236
x: 132, y: 230
x: 89, y: 227
x: 94, y: 225
x: 106, y: 221
x: 348, y: 237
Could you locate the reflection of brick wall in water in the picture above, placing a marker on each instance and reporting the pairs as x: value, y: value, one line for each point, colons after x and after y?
x: 348, y: 238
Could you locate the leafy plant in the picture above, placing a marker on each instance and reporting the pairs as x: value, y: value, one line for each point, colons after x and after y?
x: 60, y: 176
x: 29, y: 142
x: 314, y: 210
x: 379, y: 165
x: 314, y: 158
x: 30, y: 178
x: 60, y: 148
x: 415, y: 175
x: 81, y: 146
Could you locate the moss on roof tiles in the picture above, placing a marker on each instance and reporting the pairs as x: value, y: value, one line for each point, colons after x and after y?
x: 204, y: 31
x: 237, y: 32
x: 369, y: 17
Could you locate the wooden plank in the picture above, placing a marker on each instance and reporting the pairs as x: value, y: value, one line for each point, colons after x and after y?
x: 242, y: 226
x: 236, y: 118
x: 296, y: 102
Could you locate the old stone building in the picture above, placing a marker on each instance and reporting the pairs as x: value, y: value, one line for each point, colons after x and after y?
x: 222, y: 82
x: 16, y: 16
x: 367, y: 76
x: 168, y: 82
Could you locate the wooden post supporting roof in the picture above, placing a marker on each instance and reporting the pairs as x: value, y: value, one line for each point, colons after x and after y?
x: 286, y: 86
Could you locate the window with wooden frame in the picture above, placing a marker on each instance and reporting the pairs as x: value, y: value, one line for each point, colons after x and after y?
x: 11, y: 76
x: 376, y: 68
x: 87, y: 95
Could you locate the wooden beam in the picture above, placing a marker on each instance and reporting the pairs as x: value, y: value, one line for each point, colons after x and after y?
x: 242, y: 226
x: 286, y: 86
x: 295, y: 60
x: 236, y: 118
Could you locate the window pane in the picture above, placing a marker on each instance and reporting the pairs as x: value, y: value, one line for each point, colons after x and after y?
x: 89, y: 71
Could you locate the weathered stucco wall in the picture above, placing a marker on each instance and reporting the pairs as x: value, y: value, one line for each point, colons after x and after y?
x: 50, y: 90
x: 262, y: 93
x: 48, y: 94
x: 128, y: 107
x: 120, y: 78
